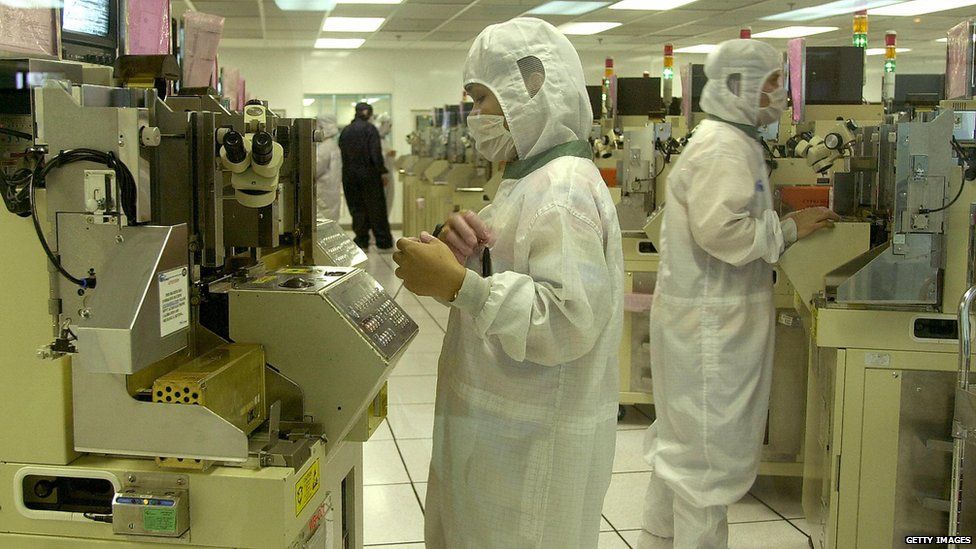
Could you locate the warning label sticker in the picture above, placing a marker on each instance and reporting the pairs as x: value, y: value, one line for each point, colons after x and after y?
x: 307, y: 487
x: 174, y: 301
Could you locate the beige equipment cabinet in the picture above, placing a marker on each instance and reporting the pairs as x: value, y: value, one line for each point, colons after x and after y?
x: 878, y: 449
x: 441, y: 200
x: 640, y: 274
x: 411, y: 174
x: 429, y: 194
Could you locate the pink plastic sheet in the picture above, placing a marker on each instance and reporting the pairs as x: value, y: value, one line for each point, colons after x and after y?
x: 959, y: 61
x: 202, y: 32
x: 638, y: 303
x: 28, y: 31
x: 796, y: 51
x: 147, y: 27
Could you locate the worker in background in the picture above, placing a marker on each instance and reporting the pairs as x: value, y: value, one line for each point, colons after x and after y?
x: 712, y: 324
x: 384, y: 124
x: 363, y: 179
x: 525, y: 420
x: 328, y: 170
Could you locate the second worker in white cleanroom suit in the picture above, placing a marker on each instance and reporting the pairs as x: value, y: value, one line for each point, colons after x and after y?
x: 525, y: 419
x: 712, y: 324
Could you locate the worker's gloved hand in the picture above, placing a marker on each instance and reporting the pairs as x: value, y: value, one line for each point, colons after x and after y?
x: 428, y: 268
x: 811, y: 220
x: 386, y: 180
x: 465, y: 234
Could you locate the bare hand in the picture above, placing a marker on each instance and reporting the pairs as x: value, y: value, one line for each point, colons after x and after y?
x: 811, y: 220
x: 465, y: 233
x: 428, y: 268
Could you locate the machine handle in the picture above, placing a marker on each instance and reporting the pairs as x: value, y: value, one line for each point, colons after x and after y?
x: 965, y: 343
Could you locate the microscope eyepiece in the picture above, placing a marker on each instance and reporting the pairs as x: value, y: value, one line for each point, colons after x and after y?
x: 262, y: 148
x: 234, y: 145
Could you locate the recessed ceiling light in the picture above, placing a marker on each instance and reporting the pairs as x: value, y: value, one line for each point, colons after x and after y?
x: 653, y: 5
x: 352, y: 24
x: 700, y: 48
x: 339, y: 43
x: 305, y: 5
x: 943, y: 40
x: 827, y: 10
x: 592, y: 27
x: 880, y: 51
x: 308, y: 101
x: 921, y: 7
x: 563, y: 7
x: 793, y: 32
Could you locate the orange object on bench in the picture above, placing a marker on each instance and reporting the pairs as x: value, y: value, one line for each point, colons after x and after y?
x: 609, y: 176
x: 799, y: 197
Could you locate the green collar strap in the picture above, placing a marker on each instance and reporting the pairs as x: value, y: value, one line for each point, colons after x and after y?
x: 751, y: 131
x: 521, y: 168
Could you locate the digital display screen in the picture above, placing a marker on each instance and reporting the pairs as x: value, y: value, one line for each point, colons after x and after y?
x: 639, y: 96
x: 834, y: 75
x: 89, y: 17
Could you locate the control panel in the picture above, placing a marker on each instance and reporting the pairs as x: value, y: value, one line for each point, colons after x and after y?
x: 365, y: 304
x: 334, y: 247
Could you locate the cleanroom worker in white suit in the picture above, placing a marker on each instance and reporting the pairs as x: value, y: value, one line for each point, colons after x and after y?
x: 525, y: 420
x: 712, y: 324
x: 383, y: 125
x: 328, y: 170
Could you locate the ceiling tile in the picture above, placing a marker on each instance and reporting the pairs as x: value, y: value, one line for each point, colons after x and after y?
x: 397, y: 24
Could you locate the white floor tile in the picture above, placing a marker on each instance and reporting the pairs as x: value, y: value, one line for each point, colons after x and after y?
x: 416, y: 364
x: 421, y: 488
x: 416, y: 455
x: 412, y: 389
x: 633, y: 419
x: 399, y: 546
x: 630, y: 452
x: 624, y: 503
x: 630, y: 536
x: 611, y: 540
x: 392, y: 515
x: 605, y: 526
x: 409, y: 421
x: 766, y: 535
x: 804, y: 525
x: 382, y: 463
x: 783, y: 494
x: 429, y: 342
x: 382, y: 432
x: 749, y: 509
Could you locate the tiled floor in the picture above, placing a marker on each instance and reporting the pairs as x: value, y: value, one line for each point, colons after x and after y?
x: 398, y: 455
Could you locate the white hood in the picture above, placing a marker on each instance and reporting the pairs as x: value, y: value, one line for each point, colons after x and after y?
x: 503, y: 58
x: 328, y: 124
x: 736, y: 72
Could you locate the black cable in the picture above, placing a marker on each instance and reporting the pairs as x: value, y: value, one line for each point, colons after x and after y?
x: 98, y: 518
x: 15, y: 133
x: 84, y: 283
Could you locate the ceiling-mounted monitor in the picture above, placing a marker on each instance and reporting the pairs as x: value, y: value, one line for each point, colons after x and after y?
x: 639, y: 96
x: 90, y: 30
x: 595, y: 94
x: 834, y: 75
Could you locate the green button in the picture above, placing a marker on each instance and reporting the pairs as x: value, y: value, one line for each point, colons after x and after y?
x: 159, y: 520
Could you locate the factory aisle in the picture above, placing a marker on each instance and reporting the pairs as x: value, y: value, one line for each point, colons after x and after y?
x: 397, y: 456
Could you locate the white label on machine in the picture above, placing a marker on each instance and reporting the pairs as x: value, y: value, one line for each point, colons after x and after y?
x: 877, y: 359
x: 174, y: 301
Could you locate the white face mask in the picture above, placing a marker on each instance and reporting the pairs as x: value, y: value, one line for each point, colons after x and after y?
x: 491, y: 138
x: 777, y: 104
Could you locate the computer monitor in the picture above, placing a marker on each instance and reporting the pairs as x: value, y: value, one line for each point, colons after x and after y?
x: 596, y: 100
x: 89, y: 30
x: 916, y: 89
x: 639, y: 96
x: 834, y: 75
x: 698, y: 81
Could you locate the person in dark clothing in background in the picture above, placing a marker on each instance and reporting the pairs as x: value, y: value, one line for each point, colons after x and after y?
x: 363, y: 180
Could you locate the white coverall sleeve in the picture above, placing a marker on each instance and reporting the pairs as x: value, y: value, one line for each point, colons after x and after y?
x: 718, y: 199
x: 554, y: 313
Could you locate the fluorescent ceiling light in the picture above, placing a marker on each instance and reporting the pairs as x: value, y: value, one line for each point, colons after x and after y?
x: 34, y: 4
x: 308, y: 101
x: 794, y: 32
x: 305, y: 5
x: 339, y: 43
x: 563, y: 7
x: 943, y: 40
x: 369, y: 1
x: 588, y: 27
x: 650, y: 5
x: 827, y: 10
x: 700, y: 48
x: 921, y: 7
x: 880, y: 51
x: 352, y: 24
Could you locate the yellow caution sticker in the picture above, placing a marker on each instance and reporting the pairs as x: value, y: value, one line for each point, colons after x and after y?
x: 265, y: 279
x: 296, y: 270
x: 307, y: 487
